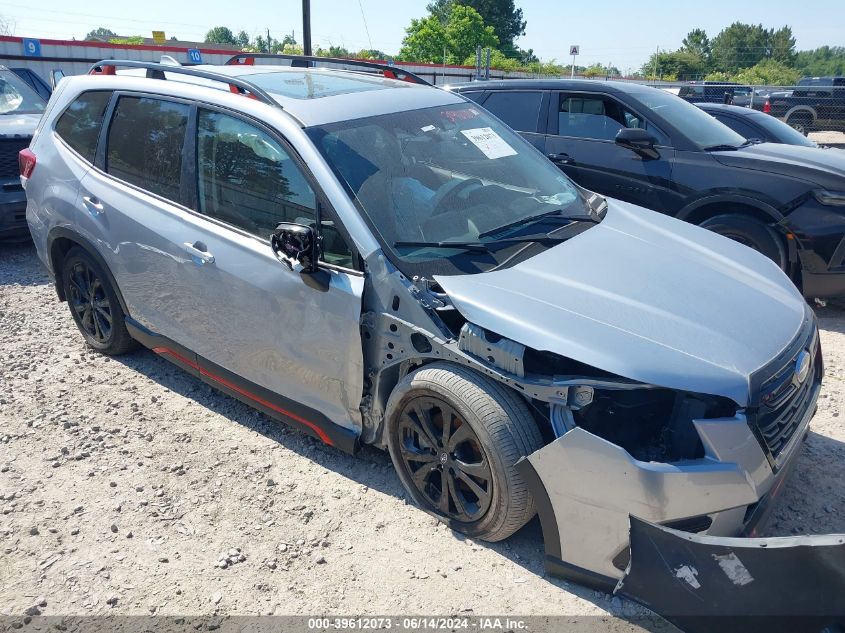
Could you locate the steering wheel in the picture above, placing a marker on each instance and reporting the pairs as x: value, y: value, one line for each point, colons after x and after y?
x: 450, y: 191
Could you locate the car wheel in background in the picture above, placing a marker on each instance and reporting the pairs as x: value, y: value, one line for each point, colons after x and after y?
x: 94, y: 304
x: 750, y: 232
x: 454, y: 437
x: 800, y: 123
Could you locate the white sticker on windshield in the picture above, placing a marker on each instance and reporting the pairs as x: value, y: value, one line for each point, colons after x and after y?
x: 428, y: 128
x: 485, y: 139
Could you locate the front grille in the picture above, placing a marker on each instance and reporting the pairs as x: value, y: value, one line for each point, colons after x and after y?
x: 783, y: 402
x: 9, y: 149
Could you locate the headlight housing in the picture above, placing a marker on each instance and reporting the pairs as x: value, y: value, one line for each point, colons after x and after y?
x: 830, y: 198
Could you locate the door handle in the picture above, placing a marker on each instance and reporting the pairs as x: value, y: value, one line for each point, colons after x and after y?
x: 93, y: 205
x: 561, y: 159
x: 199, y: 253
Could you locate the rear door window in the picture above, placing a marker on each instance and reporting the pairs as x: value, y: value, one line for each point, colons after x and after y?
x: 79, y: 126
x: 145, y: 144
x: 519, y: 110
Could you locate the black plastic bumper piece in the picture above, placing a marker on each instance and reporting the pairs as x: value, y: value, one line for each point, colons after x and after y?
x: 710, y: 583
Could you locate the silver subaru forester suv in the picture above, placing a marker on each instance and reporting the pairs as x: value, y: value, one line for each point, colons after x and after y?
x: 376, y: 261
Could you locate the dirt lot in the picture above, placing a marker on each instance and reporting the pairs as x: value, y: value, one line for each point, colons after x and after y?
x: 124, y: 482
x: 834, y: 139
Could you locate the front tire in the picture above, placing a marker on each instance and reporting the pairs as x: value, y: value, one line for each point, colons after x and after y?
x: 454, y: 437
x: 750, y: 232
x: 93, y: 304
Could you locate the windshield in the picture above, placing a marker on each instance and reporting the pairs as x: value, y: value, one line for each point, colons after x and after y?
x: 449, y: 174
x: 18, y: 98
x: 698, y: 126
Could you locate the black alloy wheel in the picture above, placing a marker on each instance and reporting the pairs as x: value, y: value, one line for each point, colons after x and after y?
x: 90, y: 303
x: 444, y: 459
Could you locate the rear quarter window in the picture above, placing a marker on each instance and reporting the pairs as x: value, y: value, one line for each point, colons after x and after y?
x: 145, y: 144
x: 79, y: 125
x: 519, y: 110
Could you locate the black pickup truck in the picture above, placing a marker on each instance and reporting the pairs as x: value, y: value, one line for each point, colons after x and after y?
x: 817, y: 103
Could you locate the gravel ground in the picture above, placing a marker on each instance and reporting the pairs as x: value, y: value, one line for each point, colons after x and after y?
x: 834, y: 139
x: 128, y: 487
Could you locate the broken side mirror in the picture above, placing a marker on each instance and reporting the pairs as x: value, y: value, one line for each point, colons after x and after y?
x: 637, y: 140
x: 296, y: 245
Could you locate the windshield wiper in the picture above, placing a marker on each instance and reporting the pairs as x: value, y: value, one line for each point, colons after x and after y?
x: 721, y: 148
x: 469, y: 246
x: 560, y: 234
x: 529, y: 220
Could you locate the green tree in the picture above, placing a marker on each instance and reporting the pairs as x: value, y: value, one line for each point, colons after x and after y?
x: 100, y: 32
x: 782, y: 46
x: 465, y: 30
x: 425, y: 41
x: 739, y: 46
x: 768, y: 72
x: 507, y: 21
x: 132, y: 40
x: 826, y: 60
x: 680, y: 64
x: 697, y: 43
x: 242, y: 39
x: 427, y: 38
x: 221, y: 35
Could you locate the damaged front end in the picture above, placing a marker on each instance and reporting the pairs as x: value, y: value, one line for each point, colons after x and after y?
x: 692, y: 445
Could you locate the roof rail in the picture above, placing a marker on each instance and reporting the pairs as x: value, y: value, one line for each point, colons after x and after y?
x: 306, y: 61
x: 156, y: 71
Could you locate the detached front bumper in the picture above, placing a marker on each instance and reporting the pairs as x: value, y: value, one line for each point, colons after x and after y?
x: 667, y: 535
x: 586, y: 488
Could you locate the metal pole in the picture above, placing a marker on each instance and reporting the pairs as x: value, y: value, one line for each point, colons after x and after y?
x: 306, y: 27
x: 656, y: 53
x: 444, y: 64
x: 487, y: 66
x: 572, y: 74
x: 478, y: 61
x: 269, y: 50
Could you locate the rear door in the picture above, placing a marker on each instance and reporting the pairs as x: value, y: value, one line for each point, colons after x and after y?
x: 581, y: 141
x: 522, y: 110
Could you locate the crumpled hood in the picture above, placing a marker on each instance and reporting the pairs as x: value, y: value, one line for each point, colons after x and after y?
x: 823, y: 167
x: 646, y: 297
x: 12, y: 125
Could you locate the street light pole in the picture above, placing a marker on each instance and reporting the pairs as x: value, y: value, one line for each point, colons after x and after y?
x: 306, y: 27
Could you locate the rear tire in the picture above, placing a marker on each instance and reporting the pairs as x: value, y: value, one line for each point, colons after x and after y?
x: 451, y: 429
x: 94, y: 304
x: 750, y: 232
x: 800, y: 123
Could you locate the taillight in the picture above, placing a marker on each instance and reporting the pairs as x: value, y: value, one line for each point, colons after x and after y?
x: 26, y: 162
x: 767, y: 107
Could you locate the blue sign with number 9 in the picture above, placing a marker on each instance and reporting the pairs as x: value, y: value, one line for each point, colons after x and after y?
x: 194, y: 56
x: 31, y: 48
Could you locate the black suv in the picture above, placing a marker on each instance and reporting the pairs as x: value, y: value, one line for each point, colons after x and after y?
x: 710, y: 92
x: 648, y: 147
x: 818, y: 103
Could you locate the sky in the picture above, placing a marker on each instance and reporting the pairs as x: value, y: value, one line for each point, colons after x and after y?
x: 623, y: 33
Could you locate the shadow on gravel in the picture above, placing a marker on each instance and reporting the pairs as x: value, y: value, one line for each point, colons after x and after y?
x: 371, y: 467
x: 20, y: 266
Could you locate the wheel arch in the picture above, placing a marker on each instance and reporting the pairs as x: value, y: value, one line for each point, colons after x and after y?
x: 59, y: 243
x: 801, y: 109
x: 711, y: 206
